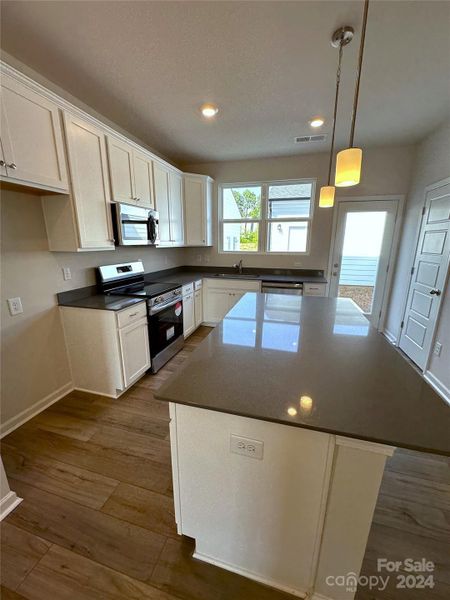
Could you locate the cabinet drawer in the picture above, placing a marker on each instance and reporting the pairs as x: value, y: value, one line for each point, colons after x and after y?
x: 314, y: 289
x: 233, y: 284
x: 188, y: 289
x: 132, y: 314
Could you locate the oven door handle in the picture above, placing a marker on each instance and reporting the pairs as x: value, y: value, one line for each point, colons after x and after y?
x: 158, y: 309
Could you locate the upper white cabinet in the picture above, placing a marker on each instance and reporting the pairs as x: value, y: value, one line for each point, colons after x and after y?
x: 31, y: 138
x: 82, y: 221
x: 169, y: 204
x: 131, y: 174
x: 198, y: 210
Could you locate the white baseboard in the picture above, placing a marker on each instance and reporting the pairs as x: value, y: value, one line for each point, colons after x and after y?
x: 319, y: 597
x: 438, y: 386
x: 250, y: 575
x: 390, y: 337
x: 8, y: 503
x: 32, y: 411
x: 97, y: 393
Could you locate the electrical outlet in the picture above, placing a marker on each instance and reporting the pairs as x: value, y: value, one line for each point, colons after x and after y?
x: 297, y: 263
x: 437, y: 348
x: 246, y: 447
x: 199, y: 258
x: 206, y: 258
x: 15, y: 306
x: 66, y: 273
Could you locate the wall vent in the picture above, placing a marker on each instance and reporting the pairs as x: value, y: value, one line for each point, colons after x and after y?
x: 302, y: 139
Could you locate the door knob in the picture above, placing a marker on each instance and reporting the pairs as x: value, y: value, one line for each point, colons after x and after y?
x: 435, y: 292
x: 12, y: 166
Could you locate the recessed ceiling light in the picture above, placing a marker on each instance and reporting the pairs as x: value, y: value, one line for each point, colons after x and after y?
x: 316, y: 122
x: 209, y: 110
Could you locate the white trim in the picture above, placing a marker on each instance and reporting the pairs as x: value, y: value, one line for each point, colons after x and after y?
x: 250, y: 575
x: 400, y: 199
x: 437, y: 385
x: 32, y: 411
x: 97, y: 393
x: 64, y: 104
x: 319, y: 597
x: 8, y: 503
x: 390, y: 337
x: 365, y: 446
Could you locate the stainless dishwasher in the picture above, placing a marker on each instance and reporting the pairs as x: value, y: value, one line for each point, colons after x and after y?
x: 281, y: 287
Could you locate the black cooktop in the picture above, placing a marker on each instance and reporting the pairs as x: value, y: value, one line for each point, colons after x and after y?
x: 149, y: 290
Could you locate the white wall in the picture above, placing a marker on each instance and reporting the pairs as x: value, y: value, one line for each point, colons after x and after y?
x: 432, y: 164
x: 385, y: 171
x: 34, y: 358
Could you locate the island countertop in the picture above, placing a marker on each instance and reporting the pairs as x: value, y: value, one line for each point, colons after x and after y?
x: 314, y: 363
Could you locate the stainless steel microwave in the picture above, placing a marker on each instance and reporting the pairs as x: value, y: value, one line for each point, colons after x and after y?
x: 135, y: 225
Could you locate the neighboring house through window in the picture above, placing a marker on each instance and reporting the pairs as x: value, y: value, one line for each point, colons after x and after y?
x: 272, y: 217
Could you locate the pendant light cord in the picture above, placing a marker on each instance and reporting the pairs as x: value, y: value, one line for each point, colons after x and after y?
x: 358, y: 78
x: 338, y: 81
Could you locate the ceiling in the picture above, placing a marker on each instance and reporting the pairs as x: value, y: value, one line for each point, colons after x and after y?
x: 269, y: 66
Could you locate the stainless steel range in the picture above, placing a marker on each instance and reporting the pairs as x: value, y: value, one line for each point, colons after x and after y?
x: 164, y: 306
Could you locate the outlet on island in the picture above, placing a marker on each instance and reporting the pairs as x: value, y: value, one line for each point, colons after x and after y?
x: 246, y: 446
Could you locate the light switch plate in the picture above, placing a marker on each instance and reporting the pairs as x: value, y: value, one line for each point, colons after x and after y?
x: 246, y: 446
x: 15, y: 306
x: 437, y: 349
x: 66, y: 273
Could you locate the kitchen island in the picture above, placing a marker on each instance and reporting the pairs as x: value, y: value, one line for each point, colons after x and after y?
x: 281, y: 423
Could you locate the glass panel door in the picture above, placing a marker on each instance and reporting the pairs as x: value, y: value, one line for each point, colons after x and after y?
x: 361, y: 255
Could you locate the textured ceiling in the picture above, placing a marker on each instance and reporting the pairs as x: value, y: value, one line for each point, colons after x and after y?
x: 268, y: 65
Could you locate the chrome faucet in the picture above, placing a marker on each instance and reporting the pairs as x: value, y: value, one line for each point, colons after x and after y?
x: 239, y: 267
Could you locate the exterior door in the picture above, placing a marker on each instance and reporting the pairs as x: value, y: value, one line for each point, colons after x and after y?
x: 362, y: 252
x: 429, y: 275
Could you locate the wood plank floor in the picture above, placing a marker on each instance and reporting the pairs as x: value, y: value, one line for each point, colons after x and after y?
x: 97, y: 517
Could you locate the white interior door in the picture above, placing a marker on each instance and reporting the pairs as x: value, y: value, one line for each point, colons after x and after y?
x: 362, y: 251
x: 428, y: 277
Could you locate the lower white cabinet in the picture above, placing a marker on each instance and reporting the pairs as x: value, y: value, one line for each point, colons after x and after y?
x: 108, y: 350
x: 188, y: 309
x: 198, y: 303
x: 219, y: 296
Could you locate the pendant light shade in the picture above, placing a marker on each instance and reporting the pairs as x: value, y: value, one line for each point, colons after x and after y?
x: 348, y: 167
x: 326, y: 198
x: 349, y: 161
x: 341, y: 37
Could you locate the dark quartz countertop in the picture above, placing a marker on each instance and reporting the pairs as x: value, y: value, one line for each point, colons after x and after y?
x: 102, y: 302
x: 315, y: 363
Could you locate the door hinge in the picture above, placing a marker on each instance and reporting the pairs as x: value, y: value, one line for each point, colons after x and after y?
x: 423, y: 210
x: 401, y: 324
x: 412, y: 270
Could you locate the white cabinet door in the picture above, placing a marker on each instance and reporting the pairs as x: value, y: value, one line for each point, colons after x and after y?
x: 31, y: 137
x: 194, y: 201
x: 121, y: 171
x: 135, y: 351
x: 217, y: 304
x: 161, y: 184
x: 198, y: 308
x: 188, y: 315
x: 176, y: 208
x: 143, y: 179
x: 90, y: 187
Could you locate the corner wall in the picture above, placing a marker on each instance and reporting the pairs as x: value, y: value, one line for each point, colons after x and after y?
x: 34, y: 364
x: 432, y: 164
x: 385, y: 171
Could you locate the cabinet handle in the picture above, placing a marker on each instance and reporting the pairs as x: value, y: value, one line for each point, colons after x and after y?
x: 132, y: 315
x: 12, y: 166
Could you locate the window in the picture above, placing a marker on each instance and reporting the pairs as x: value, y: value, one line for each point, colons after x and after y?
x: 267, y: 217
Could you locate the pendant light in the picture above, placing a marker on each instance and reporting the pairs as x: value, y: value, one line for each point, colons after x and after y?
x: 341, y: 37
x: 349, y: 161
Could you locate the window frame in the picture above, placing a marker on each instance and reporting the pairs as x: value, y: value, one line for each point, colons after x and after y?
x: 264, y: 221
